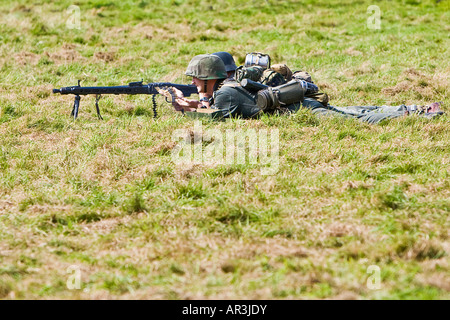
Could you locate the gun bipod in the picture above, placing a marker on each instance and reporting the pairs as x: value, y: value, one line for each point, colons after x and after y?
x: 76, y: 107
x: 97, y: 98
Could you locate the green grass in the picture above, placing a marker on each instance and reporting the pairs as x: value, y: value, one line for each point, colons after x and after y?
x: 106, y: 197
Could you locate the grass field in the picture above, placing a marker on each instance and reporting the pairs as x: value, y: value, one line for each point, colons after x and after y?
x: 102, y: 202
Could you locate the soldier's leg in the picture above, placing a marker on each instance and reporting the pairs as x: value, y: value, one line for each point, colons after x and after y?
x: 360, y: 110
x: 374, y: 114
x: 390, y: 112
x: 318, y: 109
x: 370, y: 114
x: 377, y: 117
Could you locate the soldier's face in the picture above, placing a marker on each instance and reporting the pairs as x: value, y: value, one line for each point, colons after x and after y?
x: 197, y: 82
x: 200, y: 84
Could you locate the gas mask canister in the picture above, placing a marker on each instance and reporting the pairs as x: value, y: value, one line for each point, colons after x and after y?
x: 292, y: 92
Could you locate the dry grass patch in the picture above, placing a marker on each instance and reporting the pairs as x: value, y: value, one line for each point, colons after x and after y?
x: 425, y: 86
x: 66, y: 54
x: 105, y: 226
x: 105, y: 56
x: 353, y: 52
x: 339, y: 229
x: 438, y: 280
x: 6, y: 206
x: 24, y: 58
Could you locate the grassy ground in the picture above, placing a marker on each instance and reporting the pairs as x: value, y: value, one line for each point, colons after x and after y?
x: 104, y: 196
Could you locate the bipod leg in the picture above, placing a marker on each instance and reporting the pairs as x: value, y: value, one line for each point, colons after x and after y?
x: 155, y: 114
x: 97, y: 98
x: 76, y: 107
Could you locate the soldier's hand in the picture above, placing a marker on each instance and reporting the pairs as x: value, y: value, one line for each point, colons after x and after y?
x: 176, y: 97
x: 170, y: 97
x: 178, y: 93
x: 185, y: 103
x: 164, y: 92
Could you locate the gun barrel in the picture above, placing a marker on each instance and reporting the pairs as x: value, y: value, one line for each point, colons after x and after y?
x: 103, y: 90
x: 130, y: 89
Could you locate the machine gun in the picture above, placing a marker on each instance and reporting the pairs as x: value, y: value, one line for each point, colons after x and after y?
x: 132, y: 88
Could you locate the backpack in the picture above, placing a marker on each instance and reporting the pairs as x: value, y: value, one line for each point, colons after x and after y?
x: 283, y: 69
x: 272, y: 78
x: 318, y: 96
x: 302, y: 75
x: 253, y: 73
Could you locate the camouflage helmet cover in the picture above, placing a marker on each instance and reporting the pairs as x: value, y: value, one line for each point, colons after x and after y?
x: 227, y: 59
x: 206, y: 67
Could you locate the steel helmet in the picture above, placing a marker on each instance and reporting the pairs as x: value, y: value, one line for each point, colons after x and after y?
x: 227, y: 59
x: 206, y: 67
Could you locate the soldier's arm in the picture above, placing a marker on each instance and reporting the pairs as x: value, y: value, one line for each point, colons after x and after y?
x: 179, y: 102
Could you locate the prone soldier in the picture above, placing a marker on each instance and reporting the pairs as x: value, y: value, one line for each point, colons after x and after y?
x: 279, y: 89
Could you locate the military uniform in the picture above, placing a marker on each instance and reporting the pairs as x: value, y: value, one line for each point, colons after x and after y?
x: 233, y: 101
x: 318, y: 102
x: 229, y: 99
x: 369, y: 114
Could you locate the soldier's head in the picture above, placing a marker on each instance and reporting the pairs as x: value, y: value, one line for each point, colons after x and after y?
x: 205, y: 70
x: 228, y: 60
